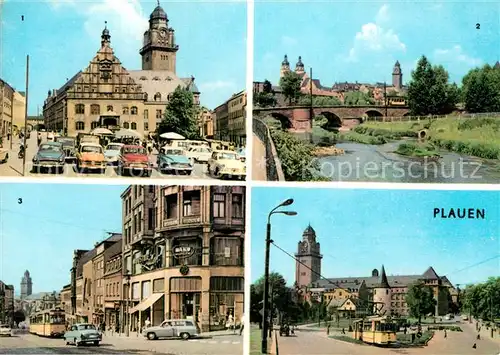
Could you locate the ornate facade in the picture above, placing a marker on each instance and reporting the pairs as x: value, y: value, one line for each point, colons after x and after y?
x: 308, y: 265
x: 105, y: 94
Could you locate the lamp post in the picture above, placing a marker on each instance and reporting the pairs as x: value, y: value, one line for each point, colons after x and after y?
x: 266, y: 270
x: 127, y: 283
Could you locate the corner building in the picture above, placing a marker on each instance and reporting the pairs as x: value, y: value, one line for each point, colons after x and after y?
x: 183, y: 254
x: 105, y: 94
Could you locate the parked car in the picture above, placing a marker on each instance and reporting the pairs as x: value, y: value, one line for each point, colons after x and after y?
x: 90, y: 156
x: 112, y: 153
x: 134, y: 158
x: 69, y: 147
x: 200, y: 154
x: 82, y: 333
x: 50, y: 155
x: 225, y: 163
x: 174, y: 160
x: 5, y: 330
x: 242, y: 153
x: 173, y: 328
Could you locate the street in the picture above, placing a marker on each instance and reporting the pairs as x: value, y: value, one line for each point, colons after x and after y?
x: 209, y: 344
x: 14, y: 166
x: 316, y: 342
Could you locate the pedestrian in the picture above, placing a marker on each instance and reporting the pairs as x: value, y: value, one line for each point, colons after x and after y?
x: 230, y: 322
x: 242, y: 323
x: 445, y: 334
x: 328, y: 329
x: 343, y: 331
x: 147, y: 323
x: 478, y: 336
x: 474, y: 346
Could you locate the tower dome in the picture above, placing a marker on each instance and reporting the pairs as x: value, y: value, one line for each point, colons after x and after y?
x: 299, y: 63
x: 158, y: 13
x: 285, y: 61
x: 309, y: 230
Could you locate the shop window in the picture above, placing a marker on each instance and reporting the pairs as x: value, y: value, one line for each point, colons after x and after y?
x: 191, y: 203
x: 193, y: 242
x: 171, y: 206
x: 219, y: 205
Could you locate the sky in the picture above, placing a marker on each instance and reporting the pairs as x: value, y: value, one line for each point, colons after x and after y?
x: 361, y: 41
x: 62, y: 36
x: 41, y: 233
x: 359, y: 230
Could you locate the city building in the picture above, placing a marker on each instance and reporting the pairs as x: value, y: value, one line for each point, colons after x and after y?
x: 19, y: 103
x: 26, y: 285
x: 79, y: 301
x: 6, y: 107
x: 378, y: 293
x: 206, y: 123
x: 65, y: 296
x: 38, y: 302
x: 221, y: 122
x: 6, y: 303
x: 183, y: 254
x: 113, y: 281
x: 237, y: 113
x: 105, y: 94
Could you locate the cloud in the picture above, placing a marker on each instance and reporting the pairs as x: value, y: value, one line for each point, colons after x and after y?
x: 288, y: 41
x: 58, y: 4
x: 217, y: 85
x: 456, y: 54
x: 374, y: 38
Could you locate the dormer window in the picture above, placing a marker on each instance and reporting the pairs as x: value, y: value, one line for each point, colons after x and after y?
x: 157, y: 97
x: 157, y: 78
x: 143, y: 78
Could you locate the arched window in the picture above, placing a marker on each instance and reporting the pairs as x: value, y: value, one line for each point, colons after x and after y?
x: 125, y: 125
x: 109, y: 108
x: 157, y: 96
x: 94, y: 125
x: 95, y: 109
x: 133, y: 126
x: 133, y: 110
x: 79, y: 109
x: 80, y: 126
x: 125, y: 110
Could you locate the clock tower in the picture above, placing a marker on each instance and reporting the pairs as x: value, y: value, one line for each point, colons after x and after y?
x: 308, y: 264
x: 159, y: 49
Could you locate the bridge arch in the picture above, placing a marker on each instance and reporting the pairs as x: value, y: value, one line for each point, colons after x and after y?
x: 407, y: 114
x: 334, y: 121
x: 373, y: 113
x: 285, y: 121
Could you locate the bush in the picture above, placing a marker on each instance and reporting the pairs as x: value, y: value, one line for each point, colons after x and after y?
x: 451, y: 328
x: 472, y: 123
x: 346, y: 339
x: 474, y: 148
x: 362, y: 138
x: 417, y: 150
x: 405, y: 339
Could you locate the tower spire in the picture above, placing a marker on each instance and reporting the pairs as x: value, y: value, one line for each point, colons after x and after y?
x: 383, y: 279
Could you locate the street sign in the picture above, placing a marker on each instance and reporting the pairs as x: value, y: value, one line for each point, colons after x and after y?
x: 182, y: 252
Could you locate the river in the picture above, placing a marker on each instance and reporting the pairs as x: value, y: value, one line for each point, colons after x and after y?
x: 379, y: 163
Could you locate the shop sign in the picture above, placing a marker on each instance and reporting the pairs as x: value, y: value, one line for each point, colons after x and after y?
x: 182, y: 252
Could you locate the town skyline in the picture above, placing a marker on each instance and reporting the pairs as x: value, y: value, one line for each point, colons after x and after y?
x: 30, y: 30
x: 53, y: 214
x: 363, y: 43
x: 344, y: 219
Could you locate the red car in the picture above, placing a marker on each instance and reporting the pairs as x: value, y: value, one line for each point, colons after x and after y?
x: 134, y: 158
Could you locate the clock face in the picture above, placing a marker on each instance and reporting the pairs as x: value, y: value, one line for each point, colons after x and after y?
x: 304, y: 247
x: 163, y: 33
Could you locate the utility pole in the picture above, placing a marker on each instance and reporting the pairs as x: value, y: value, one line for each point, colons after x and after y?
x: 266, y: 290
x: 26, y: 112
x: 311, y: 114
x: 385, y: 98
x: 492, y: 321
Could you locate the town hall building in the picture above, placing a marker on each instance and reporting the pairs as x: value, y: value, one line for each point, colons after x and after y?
x: 105, y: 94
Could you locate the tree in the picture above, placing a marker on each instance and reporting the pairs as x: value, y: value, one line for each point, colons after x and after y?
x: 353, y: 98
x: 181, y: 115
x: 19, y: 317
x: 420, y: 300
x: 429, y: 92
x: 319, y: 101
x: 290, y: 84
x: 483, y: 300
x: 481, y: 89
x: 266, y: 97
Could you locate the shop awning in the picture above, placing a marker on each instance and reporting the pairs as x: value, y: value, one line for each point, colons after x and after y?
x: 145, y: 304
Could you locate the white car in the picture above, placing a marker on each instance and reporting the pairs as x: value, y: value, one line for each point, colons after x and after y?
x: 5, y: 330
x: 226, y: 163
x: 112, y: 153
x: 200, y: 154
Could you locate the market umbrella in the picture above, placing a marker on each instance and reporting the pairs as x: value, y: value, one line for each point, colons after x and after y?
x: 172, y: 135
x: 101, y: 132
x: 122, y: 133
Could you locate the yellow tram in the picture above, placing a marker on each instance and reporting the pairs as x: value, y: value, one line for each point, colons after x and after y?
x: 376, y: 330
x: 48, y: 323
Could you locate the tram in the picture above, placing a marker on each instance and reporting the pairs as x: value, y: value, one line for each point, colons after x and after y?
x: 376, y: 330
x: 48, y: 323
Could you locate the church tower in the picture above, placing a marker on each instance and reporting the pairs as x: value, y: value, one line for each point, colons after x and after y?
x: 382, y: 295
x: 285, y: 66
x: 299, y: 67
x: 26, y: 285
x: 159, y: 49
x: 308, y: 254
x: 397, y: 76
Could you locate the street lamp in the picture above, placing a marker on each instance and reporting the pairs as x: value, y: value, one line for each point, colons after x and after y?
x: 127, y: 283
x: 266, y: 269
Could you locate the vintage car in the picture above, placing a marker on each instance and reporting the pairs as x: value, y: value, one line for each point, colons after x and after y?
x: 200, y: 153
x: 82, y: 333
x: 69, y: 147
x: 50, y: 155
x: 5, y: 330
x: 173, y: 328
x: 242, y: 154
x: 225, y: 163
x: 112, y: 153
x: 4, y: 155
x: 90, y: 156
x: 174, y: 160
x: 134, y: 158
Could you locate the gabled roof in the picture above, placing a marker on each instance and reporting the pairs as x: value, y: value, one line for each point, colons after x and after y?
x: 430, y: 274
x: 383, y: 279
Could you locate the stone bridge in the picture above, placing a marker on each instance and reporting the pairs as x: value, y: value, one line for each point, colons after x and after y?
x: 298, y: 118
